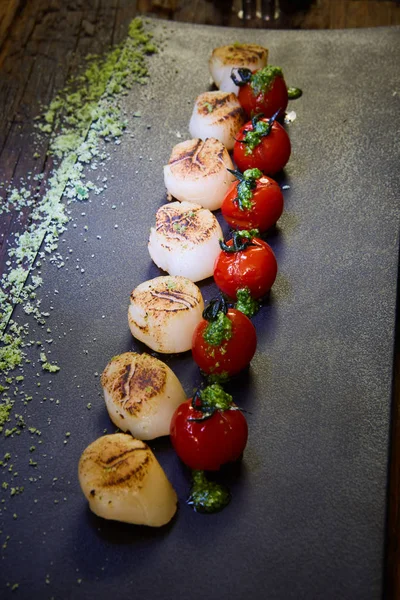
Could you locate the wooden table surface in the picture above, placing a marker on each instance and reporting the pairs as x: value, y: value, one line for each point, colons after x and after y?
x: 42, y: 43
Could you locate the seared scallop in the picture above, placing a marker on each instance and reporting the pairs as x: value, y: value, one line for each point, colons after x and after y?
x: 141, y: 394
x: 164, y: 312
x: 185, y: 240
x: 197, y: 172
x: 218, y: 115
x: 226, y: 58
x: 123, y: 481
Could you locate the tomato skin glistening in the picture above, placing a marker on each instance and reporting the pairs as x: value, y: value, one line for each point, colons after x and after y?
x: 266, y: 206
x: 232, y: 355
x: 208, y: 444
x: 254, y: 268
x: 270, y: 155
x: 267, y: 101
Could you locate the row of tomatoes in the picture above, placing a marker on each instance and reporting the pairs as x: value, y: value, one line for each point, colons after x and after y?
x: 209, y: 430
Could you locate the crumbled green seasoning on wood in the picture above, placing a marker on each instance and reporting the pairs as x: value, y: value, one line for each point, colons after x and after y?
x: 82, y: 115
x: 77, y: 122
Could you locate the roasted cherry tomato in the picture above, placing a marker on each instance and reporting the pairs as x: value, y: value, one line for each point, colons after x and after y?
x: 248, y: 263
x: 262, y: 144
x: 255, y: 201
x: 225, y: 343
x: 263, y: 91
x: 206, y: 437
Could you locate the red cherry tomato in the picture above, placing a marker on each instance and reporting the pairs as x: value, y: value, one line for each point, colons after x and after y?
x: 270, y: 155
x: 232, y: 355
x: 266, y: 206
x: 255, y: 267
x: 208, y: 444
x: 267, y: 101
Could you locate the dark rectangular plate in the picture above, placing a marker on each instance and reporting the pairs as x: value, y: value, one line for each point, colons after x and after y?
x: 307, y: 517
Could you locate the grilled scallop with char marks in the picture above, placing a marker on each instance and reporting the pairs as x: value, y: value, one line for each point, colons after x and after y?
x: 226, y: 58
x: 197, y: 172
x: 218, y: 115
x: 123, y: 481
x: 185, y: 240
x: 164, y: 312
x: 141, y: 394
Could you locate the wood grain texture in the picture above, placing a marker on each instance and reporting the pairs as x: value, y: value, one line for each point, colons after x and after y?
x: 44, y: 42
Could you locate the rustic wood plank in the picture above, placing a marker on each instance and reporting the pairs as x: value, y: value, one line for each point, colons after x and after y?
x: 126, y: 11
x: 8, y: 11
x: 55, y: 48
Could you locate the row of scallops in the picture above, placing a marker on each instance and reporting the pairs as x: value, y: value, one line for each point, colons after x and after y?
x: 118, y: 473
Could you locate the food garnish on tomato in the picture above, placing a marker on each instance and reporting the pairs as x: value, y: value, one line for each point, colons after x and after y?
x: 263, y: 90
x: 254, y: 201
x: 245, y: 261
x: 224, y: 342
x: 262, y: 144
x: 209, y: 430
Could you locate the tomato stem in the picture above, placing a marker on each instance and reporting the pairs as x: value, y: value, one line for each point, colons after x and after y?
x: 240, y: 241
x: 244, y: 74
x: 217, y: 305
x: 248, y: 182
x: 261, y: 128
x: 210, y: 400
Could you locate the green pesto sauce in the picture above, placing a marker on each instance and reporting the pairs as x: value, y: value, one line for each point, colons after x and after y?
x: 219, y: 330
x: 246, y: 304
x: 215, y: 397
x: 262, y: 80
x: 294, y: 92
x: 5, y: 410
x: 253, y: 137
x: 246, y: 187
x: 222, y: 377
x: 207, y: 496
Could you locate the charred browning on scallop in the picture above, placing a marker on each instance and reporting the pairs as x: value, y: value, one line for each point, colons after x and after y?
x: 168, y: 294
x: 199, y: 171
x: 177, y: 300
x: 119, y: 463
x: 185, y: 240
x: 198, y: 158
x: 133, y: 385
x: 141, y: 394
x: 217, y: 114
x: 144, y: 384
x: 250, y: 54
x: 123, y: 481
x: 123, y: 471
x: 164, y: 312
x: 194, y: 226
x: 217, y: 104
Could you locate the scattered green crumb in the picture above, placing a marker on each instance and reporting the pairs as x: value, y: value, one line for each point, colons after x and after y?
x: 46, y: 365
x: 5, y: 410
x: 77, y: 119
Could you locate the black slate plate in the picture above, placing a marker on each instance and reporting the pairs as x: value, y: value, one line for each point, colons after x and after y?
x: 307, y: 518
